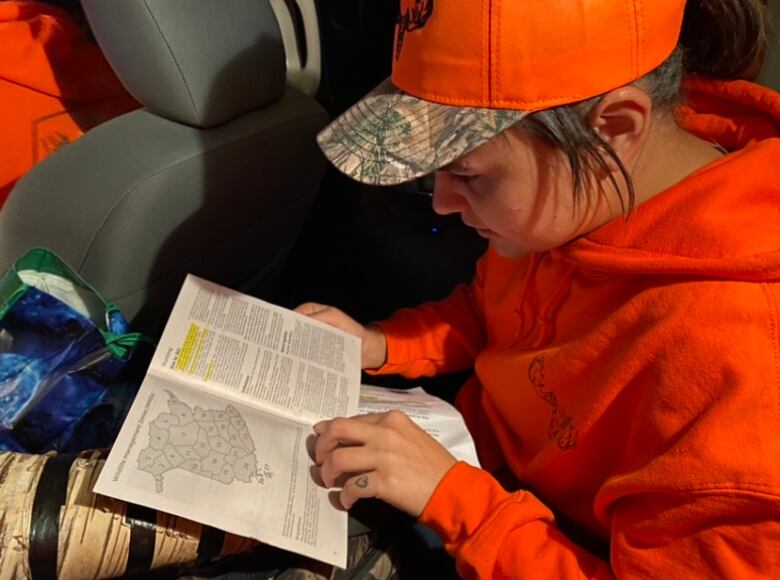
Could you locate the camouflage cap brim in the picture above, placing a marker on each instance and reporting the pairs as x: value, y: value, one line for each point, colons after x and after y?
x: 390, y: 137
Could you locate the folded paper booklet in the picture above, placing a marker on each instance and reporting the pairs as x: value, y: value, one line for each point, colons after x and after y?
x: 218, y: 432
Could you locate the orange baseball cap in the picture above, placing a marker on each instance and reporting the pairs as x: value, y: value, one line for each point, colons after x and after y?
x: 466, y: 70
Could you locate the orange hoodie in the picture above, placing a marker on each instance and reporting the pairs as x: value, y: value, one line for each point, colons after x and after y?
x: 627, y: 385
x: 54, y: 86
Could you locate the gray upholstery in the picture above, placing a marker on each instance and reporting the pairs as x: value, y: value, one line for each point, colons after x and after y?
x: 200, y: 62
x: 141, y: 200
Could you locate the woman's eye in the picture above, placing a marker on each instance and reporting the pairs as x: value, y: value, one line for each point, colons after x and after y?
x: 464, y: 178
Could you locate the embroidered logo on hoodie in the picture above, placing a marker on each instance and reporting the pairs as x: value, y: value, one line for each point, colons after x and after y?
x: 561, y: 429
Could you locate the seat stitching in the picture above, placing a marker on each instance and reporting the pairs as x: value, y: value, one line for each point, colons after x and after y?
x: 173, y: 56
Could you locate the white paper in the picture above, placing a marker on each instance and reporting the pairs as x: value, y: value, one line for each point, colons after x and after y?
x: 261, y: 353
x: 435, y: 416
x: 218, y: 431
x: 248, y: 472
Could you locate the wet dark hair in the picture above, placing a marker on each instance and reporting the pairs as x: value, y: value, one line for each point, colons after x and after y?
x: 723, y: 39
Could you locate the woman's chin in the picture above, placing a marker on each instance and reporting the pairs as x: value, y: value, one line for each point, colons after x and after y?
x: 507, y: 249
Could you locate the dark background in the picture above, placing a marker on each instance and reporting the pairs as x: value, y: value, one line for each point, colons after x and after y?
x: 370, y: 250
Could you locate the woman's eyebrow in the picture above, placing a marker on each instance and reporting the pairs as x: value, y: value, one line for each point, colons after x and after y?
x: 457, y: 165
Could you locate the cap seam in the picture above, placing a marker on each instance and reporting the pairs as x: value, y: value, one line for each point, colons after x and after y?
x: 558, y: 100
x: 491, y: 54
x: 629, y: 11
x: 641, y: 36
x: 486, y: 53
x: 632, y: 14
x: 495, y: 54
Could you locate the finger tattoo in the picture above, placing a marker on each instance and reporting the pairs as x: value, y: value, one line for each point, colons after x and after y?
x: 362, y: 481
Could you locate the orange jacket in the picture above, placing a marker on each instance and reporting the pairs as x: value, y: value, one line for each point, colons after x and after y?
x: 54, y: 86
x: 627, y: 385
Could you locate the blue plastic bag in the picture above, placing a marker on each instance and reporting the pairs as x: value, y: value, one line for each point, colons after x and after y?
x: 62, y: 351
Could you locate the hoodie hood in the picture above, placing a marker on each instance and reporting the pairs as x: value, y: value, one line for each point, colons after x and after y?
x: 37, y: 39
x: 723, y: 221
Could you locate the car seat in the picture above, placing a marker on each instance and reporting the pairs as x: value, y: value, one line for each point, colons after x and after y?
x: 214, y: 176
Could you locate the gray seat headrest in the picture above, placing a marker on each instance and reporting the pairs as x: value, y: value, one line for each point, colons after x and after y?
x: 199, y: 62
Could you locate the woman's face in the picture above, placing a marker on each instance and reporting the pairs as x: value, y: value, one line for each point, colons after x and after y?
x: 517, y: 192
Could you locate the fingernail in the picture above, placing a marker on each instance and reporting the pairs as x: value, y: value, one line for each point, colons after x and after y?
x: 318, y: 427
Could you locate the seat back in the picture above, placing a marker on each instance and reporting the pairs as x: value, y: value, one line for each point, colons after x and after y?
x: 214, y: 176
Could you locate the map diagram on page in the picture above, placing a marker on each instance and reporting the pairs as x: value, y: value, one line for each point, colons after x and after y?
x: 210, y: 443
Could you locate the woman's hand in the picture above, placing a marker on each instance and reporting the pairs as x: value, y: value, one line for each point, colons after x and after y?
x: 383, y: 455
x: 374, y: 344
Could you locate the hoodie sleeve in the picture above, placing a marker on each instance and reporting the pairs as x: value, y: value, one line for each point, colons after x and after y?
x: 493, y: 533
x: 708, y: 533
x: 437, y: 337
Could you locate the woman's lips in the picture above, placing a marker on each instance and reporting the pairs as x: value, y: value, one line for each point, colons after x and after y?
x: 485, y: 233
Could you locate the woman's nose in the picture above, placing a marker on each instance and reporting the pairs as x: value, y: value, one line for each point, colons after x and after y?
x: 446, y: 199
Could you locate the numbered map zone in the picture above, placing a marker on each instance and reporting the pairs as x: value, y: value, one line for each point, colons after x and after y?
x: 207, y: 442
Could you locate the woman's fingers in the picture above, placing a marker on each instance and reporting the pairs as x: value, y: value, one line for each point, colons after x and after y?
x: 324, y: 313
x: 332, y: 316
x: 346, y: 461
x: 310, y: 308
x: 342, y: 432
x: 361, y: 486
x: 374, y: 343
x: 384, y: 455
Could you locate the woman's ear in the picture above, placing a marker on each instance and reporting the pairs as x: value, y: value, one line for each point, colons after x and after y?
x: 622, y: 118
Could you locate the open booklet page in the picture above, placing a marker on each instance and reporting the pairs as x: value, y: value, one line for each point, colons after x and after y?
x: 218, y: 430
x: 276, y: 358
x: 436, y: 417
x: 199, y: 456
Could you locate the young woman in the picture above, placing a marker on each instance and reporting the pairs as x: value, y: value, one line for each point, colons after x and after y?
x: 624, y: 324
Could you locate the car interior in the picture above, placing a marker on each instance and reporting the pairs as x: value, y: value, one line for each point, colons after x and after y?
x: 215, y: 173
x: 219, y: 174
